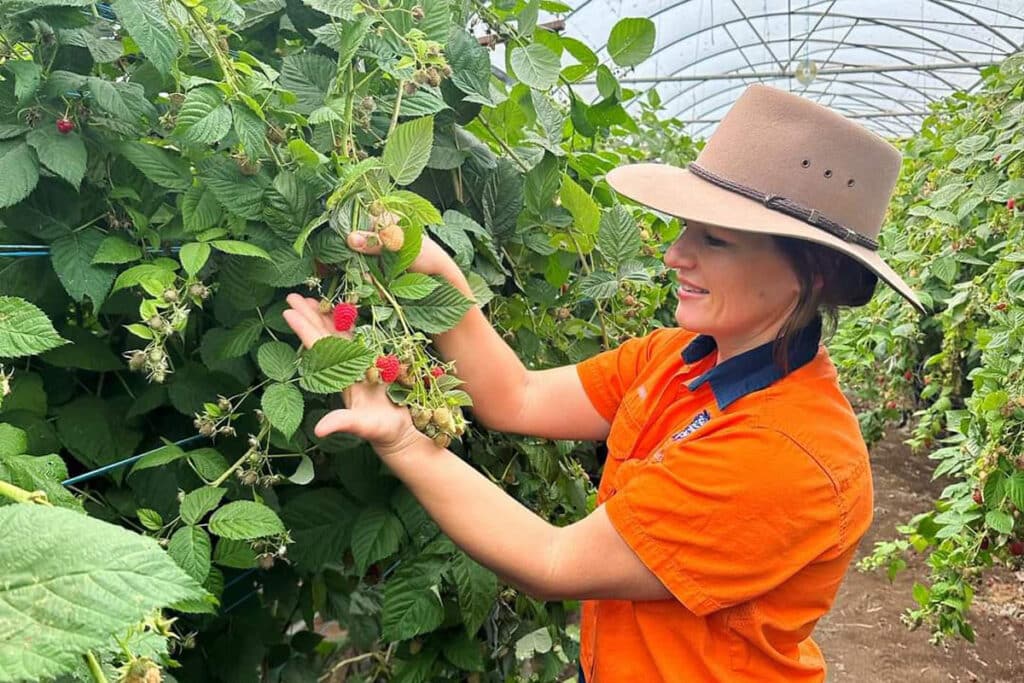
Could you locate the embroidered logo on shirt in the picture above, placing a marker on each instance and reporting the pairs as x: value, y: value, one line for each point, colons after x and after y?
x: 696, y: 423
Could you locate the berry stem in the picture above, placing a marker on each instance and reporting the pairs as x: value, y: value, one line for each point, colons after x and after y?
x: 391, y: 300
x: 94, y: 668
x: 20, y: 495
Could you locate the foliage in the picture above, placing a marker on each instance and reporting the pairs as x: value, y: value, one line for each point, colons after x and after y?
x: 186, y: 163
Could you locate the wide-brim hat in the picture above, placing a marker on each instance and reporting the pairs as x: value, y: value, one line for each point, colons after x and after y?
x: 782, y: 165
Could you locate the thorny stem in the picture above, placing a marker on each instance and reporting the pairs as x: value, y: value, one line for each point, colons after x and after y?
x: 391, y: 300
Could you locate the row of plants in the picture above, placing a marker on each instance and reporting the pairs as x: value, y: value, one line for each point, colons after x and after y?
x: 956, y: 375
x: 172, y: 169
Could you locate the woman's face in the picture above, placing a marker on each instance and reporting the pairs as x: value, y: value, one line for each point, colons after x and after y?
x: 735, y: 286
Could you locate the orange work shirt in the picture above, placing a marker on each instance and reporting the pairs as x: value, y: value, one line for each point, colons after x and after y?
x: 745, y: 491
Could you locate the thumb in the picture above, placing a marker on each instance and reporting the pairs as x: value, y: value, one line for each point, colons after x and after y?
x: 342, y: 420
x: 364, y: 242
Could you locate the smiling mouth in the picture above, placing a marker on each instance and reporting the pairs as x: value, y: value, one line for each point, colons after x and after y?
x: 692, y: 290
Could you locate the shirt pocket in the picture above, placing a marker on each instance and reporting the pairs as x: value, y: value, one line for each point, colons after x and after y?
x: 625, y: 428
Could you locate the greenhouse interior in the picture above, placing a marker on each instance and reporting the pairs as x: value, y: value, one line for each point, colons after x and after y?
x: 501, y: 341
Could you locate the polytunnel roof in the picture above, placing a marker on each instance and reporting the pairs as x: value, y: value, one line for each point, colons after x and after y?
x: 880, y: 62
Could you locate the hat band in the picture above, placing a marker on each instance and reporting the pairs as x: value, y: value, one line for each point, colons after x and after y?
x: 789, y: 207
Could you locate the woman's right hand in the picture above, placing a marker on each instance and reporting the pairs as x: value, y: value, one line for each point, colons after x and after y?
x: 432, y: 259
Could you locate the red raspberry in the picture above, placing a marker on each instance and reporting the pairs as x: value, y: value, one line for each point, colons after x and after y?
x: 908, y: 375
x: 65, y: 126
x: 996, y: 158
x: 345, y: 315
x: 1001, y: 306
x: 1017, y: 548
x: 1011, y: 204
x: 436, y: 371
x: 985, y: 543
x: 978, y: 498
x: 390, y: 368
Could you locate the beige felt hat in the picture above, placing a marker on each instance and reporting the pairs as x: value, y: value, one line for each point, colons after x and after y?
x: 783, y: 165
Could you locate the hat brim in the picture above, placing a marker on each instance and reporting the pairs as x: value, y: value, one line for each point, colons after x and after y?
x: 677, y: 192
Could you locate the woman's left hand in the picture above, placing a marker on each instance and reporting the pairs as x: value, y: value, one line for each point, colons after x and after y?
x: 369, y: 413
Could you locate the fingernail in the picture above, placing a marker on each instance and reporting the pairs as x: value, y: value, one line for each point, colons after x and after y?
x: 358, y: 240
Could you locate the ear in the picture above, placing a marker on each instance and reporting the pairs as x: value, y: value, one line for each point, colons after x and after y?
x: 818, y: 282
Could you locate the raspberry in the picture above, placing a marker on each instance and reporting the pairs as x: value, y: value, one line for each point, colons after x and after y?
x: 1017, y: 548
x: 908, y: 375
x: 436, y: 372
x: 389, y: 368
x: 392, y: 237
x: 345, y: 315
x: 977, y: 496
x: 65, y: 126
x: 1001, y: 306
x: 1011, y: 204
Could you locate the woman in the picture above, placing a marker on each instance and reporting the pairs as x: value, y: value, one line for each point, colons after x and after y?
x: 737, y: 484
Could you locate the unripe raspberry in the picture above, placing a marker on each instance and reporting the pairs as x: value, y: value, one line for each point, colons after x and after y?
x: 389, y: 368
x: 420, y: 417
x: 198, y: 290
x: 629, y: 300
x: 443, y: 418
x: 442, y: 440
x: 367, y: 103
x: 392, y: 237
x: 410, y: 88
x: 170, y: 295
x: 137, y: 360
x: 345, y: 315
x: 417, y: 15
x: 266, y: 561
x: 373, y: 375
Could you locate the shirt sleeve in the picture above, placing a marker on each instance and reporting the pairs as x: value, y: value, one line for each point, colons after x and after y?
x: 728, y: 516
x: 607, y: 376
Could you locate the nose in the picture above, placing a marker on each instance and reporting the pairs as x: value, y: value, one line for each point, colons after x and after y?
x: 680, y: 255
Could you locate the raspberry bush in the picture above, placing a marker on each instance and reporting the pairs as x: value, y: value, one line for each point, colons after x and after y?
x: 178, y: 167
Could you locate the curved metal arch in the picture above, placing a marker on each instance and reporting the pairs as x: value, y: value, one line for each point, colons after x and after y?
x: 999, y: 34
x: 897, y: 57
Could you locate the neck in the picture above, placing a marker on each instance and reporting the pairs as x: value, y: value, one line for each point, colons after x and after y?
x: 730, y: 346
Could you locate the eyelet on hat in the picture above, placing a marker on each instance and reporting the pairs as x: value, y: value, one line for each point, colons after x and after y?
x: 805, y: 163
x: 828, y: 172
x: 849, y: 183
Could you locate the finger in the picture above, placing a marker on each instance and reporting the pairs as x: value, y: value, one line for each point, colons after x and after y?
x: 307, y: 332
x: 364, y: 242
x: 309, y: 308
x: 343, y: 420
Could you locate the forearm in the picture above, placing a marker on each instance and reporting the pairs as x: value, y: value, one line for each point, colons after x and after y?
x: 487, y: 523
x: 495, y: 377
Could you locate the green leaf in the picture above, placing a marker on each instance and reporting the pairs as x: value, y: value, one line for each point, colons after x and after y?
x: 534, y: 643
x: 116, y: 251
x: 408, y: 149
x: 26, y: 78
x: 251, y: 131
x: 44, y: 473
x: 464, y: 652
x: 417, y: 210
x: 309, y: 76
x: 194, y: 256
x: 277, y: 361
x: 72, y: 257
x: 86, y: 581
x: 234, y: 554
x: 190, y: 547
x: 160, y: 166
x: 243, y: 520
x: 376, y: 534
x: 87, y: 351
x: 471, y: 65
x: 150, y: 519
x: 477, y: 589
x: 152, y: 277
x: 208, y: 463
x: 304, y: 154
x: 618, y: 236
x: 580, y: 204
x: 240, y: 194
x: 1015, y: 489
x: 439, y: 311
x: 413, y: 286
x: 283, y: 406
x: 64, y: 154
x: 319, y: 522
x: 240, y: 248
x: 411, y: 603
x: 167, y: 454
x: 1000, y: 521
x: 204, y: 118
x: 503, y: 198
x: 536, y: 66
x: 196, y: 504
x: 94, y: 430
x: 333, y: 364
x: 631, y: 41
x: 304, y: 471
x: 19, y: 170
x: 147, y: 26
x: 24, y: 329
x: 599, y: 285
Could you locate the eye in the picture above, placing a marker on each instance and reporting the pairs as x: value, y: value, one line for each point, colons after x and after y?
x: 714, y: 241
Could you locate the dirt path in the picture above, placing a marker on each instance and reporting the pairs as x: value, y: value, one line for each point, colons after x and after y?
x: 863, y: 638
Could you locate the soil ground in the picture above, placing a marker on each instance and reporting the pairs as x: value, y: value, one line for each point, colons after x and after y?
x: 863, y: 638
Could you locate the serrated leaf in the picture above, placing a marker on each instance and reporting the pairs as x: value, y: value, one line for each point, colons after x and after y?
x: 277, y: 361
x: 160, y: 166
x: 79, y: 561
x: 536, y: 66
x: 319, y: 521
x: 243, y: 520
x: 411, y: 603
x: 204, y: 118
x: 13, y: 441
x: 477, y: 588
x: 283, y: 406
x: 150, y: 519
x: 631, y: 41
x: 308, y: 76
x: 413, y: 286
x: 534, y: 643
x: 618, y: 236
x: 200, y: 209
x: 94, y: 430
x: 24, y: 329
x: 376, y: 534
x: 116, y: 251
x: 190, y: 547
x: 72, y: 257
x: 152, y: 277
x: 163, y: 456
x: 44, y: 473
x: 584, y: 210
x: 240, y: 248
x: 62, y: 153
x: 196, y: 504
x: 234, y: 554
x: 194, y: 256
x: 240, y: 194
x: 333, y: 364
x: 26, y: 78
x: 470, y: 63
x: 408, y: 149
x: 599, y: 285
x: 304, y: 471
x: 147, y: 26
x: 439, y: 311
x: 19, y: 170
x: 251, y: 131
x: 1000, y: 521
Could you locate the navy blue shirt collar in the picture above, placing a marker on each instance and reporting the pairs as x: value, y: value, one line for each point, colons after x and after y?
x: 752, y: 370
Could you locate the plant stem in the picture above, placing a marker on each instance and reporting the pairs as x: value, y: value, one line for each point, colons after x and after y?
x: 94, y: 668
x: 391, y: 300
x: 504, y: 146
x: 398, y: 106
x: 229, y: 471
x: 20, y: 495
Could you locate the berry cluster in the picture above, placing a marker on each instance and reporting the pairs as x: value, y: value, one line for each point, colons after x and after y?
x: 385, y: 224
